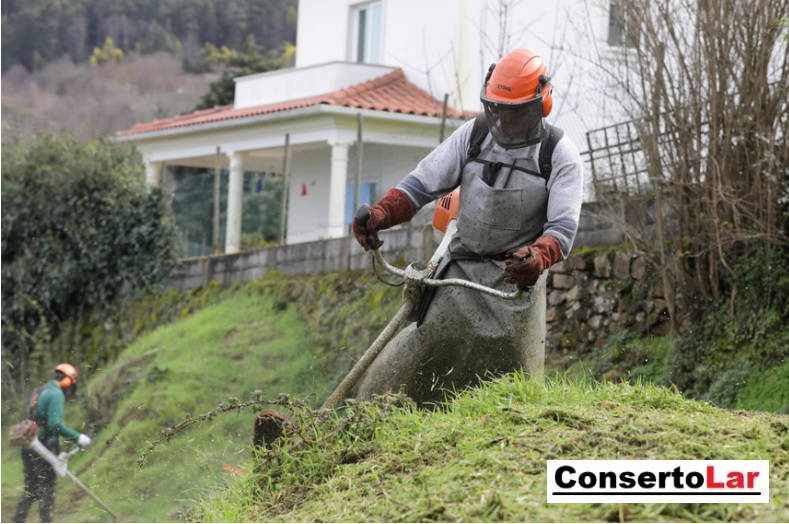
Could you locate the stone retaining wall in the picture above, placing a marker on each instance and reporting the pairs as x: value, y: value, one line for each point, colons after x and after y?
x: 415, y: 241
x: 598, y: 291
x: 594, y: 294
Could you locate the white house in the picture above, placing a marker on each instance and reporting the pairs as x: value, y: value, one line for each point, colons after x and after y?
x: 390, y: 63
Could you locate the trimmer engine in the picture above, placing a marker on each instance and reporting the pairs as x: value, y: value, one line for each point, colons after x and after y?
x: 446, y: 210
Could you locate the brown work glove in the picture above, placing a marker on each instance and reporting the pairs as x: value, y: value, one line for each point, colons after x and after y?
x: 394, y: 208
x: 525, y: 265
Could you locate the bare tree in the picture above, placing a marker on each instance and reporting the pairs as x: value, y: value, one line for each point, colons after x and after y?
x: 705, y: 84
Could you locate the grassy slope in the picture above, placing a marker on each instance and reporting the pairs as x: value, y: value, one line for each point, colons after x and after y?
x: 484, y: 459
x: 239, y: 345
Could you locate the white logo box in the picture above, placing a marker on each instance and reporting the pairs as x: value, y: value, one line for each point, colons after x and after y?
x: 661, y: 481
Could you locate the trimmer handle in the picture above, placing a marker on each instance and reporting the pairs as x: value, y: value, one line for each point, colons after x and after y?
x: 362, y: 215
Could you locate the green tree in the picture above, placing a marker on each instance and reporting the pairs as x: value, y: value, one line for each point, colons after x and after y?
x: 107, y: 53
x: 193, y: 208
x: 262, y: 208
x: 79, y: 231
x: 234, y: 64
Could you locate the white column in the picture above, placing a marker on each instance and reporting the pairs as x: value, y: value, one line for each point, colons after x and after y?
x: 337, y: 184
x: 234, y: 201
x: 153, y: 173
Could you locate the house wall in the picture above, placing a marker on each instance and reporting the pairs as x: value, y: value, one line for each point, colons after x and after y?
x: 308, y: 214
x: 446, y: 46
x: 423, y: 38
x: 382, y: 164
x: 292, y: 84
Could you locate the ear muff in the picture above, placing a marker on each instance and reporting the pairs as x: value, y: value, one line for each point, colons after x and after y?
x: 66, y: 375
x: 547, y: 103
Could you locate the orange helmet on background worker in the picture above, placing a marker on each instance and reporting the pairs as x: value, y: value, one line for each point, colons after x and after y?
x: 516, y: 96
x: 66, y: 376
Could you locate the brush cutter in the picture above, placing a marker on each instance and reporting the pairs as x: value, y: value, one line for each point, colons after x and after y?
x: 417, y: 278
x: 60, y: 465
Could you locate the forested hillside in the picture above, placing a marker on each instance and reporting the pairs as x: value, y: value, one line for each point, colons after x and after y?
x: 73, y: 29
x: 93, y: 101
x: 96, y: 67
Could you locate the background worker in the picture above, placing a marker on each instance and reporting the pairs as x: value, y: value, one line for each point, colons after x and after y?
x: 516, y: 219
x: 46, y: 408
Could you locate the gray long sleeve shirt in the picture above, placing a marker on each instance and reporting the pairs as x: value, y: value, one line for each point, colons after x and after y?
x: 441, y: 171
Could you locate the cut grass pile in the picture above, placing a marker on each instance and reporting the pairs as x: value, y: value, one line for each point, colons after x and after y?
x: 481, y: 459
x: 484, y: 457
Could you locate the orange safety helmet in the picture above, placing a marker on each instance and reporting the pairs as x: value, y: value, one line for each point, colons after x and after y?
x: 517, y: 95
x: 70, y: 373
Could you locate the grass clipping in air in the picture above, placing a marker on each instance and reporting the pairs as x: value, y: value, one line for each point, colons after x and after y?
x: 484, y: 457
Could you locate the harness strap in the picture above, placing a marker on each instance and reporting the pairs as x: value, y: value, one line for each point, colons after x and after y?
x: 479, y: 132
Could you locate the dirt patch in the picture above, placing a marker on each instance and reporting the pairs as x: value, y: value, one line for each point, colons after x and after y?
x: 230, y: 336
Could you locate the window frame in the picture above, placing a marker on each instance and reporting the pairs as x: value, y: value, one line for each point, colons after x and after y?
x: 620, y: 34
x: 367, y: 31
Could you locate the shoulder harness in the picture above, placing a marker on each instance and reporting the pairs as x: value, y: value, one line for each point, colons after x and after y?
x: 480, y: 131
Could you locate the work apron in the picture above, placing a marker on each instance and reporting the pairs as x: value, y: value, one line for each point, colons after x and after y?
x: 467, y: 336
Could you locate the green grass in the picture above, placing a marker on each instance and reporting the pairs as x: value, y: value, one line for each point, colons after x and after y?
x: 624, y: 356
x: 240, y: 345
x: 767, y: 391
x: 484, y: 458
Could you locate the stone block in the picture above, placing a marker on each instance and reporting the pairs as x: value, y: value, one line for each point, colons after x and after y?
x: 563, y: 281
x: 556, y: 298
x: 602, y: 266
x: 582, y: 314
x: 561, y: 267
x: 550, y: 314
x: 604, y: 305
x: 576, y: 262
x: 582, y: 278
x: 621, y: 265
x: 638, y: 270
x: 595, y: 322
x: 571, y: 312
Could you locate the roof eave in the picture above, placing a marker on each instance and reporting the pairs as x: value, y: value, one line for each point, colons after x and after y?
x: 289, y: 114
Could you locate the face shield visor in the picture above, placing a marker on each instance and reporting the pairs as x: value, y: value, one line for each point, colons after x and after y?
x: 514, y: 125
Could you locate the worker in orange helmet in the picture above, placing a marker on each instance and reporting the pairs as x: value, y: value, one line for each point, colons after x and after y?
x: 521, y: 186
x: 46, y: 408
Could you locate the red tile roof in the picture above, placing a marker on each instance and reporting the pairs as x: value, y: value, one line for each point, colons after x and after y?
x: 390, y: 92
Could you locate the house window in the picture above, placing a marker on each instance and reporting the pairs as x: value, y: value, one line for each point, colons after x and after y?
x: 367, y: 33
x: 367, y: 194
x: 621, y: 32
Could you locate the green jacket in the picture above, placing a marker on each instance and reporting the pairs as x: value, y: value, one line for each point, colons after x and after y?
x: 49, y: 414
